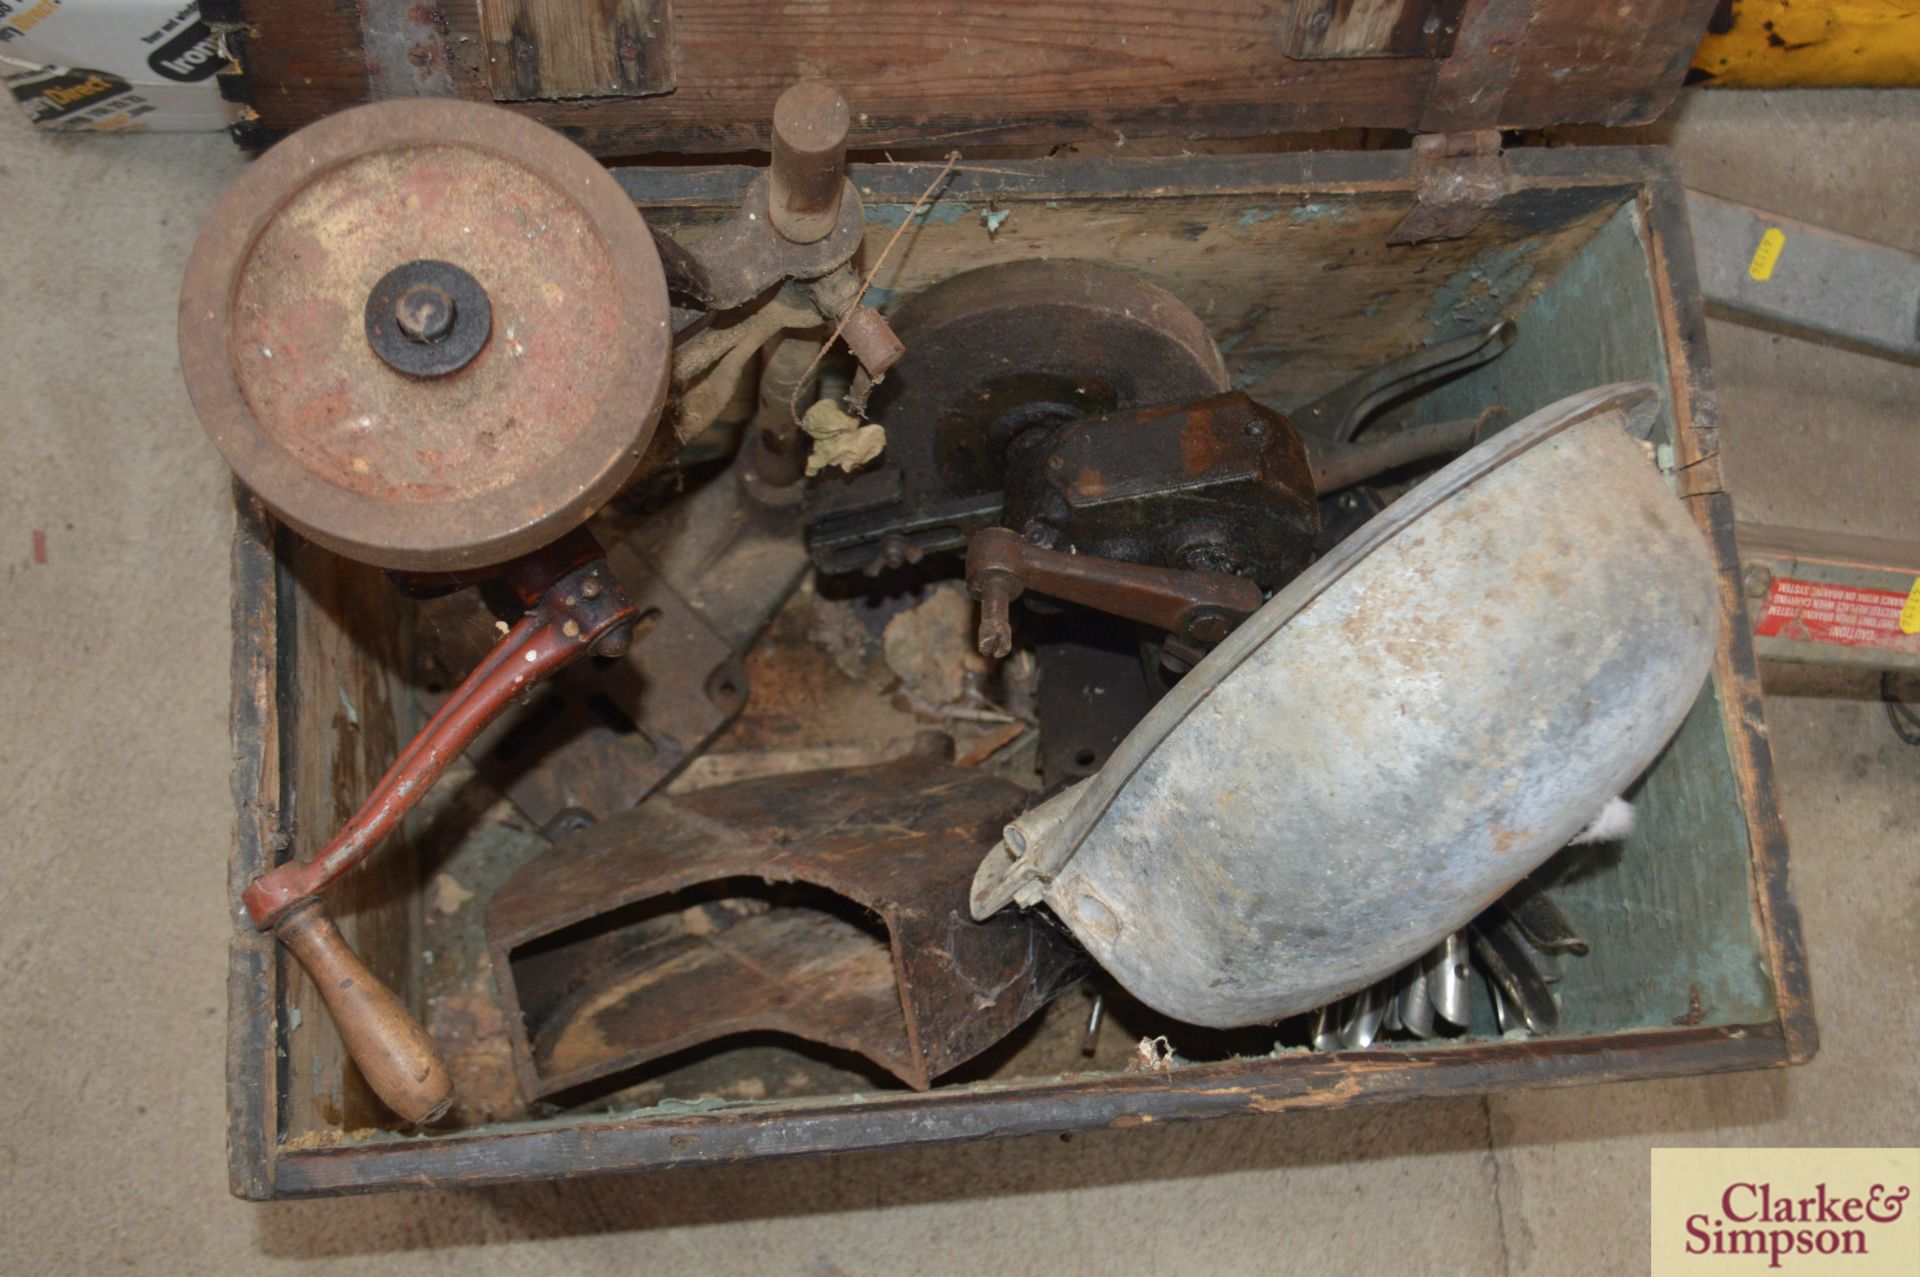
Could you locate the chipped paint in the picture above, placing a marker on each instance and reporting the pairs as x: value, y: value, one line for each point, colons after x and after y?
x: 1474, y: 297
x: 1314, y: 212
x: 1255, y: 216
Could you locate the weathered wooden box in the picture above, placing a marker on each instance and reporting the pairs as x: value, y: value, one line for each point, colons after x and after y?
x: 1697, y: 964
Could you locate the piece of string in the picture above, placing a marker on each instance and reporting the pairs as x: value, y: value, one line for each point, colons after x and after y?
x: 793, y: 404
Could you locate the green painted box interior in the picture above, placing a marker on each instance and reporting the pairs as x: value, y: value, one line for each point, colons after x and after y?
x: 1285, y: 258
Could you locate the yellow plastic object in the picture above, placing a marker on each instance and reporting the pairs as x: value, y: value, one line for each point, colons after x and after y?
x: 1777, y: 44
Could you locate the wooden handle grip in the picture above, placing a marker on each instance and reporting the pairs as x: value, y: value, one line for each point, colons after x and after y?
x: 394, y: 1053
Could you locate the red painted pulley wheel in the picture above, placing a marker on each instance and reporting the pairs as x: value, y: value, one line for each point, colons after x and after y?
x: 430, y: 335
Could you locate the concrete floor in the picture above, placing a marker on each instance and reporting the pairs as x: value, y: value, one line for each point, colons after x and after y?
x: 114, y: 759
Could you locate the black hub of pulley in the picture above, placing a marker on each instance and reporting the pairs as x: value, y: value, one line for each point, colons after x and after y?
x: 428, y: 318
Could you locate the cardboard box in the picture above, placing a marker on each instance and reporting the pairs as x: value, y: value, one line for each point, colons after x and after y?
x: 109, y: 66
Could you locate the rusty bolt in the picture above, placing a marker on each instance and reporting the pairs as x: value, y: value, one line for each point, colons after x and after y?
x: 1757, y: 579
x: 893, y: 553
x: 809, y: 151
x: 1209, y: 627
x: 1041, y: 533
x: 424, y: 312
x: 1209, y: 556
x: 591, y: 588
x: 996, y: 614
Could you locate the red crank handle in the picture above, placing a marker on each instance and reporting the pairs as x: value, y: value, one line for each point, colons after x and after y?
x: 582, y: 611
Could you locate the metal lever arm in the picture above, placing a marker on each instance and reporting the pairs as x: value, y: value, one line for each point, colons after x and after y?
x: 1340, y: 414
x: 580, y: 610
x: 1200, y: 606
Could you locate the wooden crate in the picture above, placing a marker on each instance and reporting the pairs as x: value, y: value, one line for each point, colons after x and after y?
x: 631, y: 77
x: 1697, y: 964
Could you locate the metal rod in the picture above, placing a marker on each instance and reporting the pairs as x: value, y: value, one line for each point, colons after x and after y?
x: 1341, y: 465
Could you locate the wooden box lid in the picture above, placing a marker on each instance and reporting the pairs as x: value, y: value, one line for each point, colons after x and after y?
x: 633, y: 77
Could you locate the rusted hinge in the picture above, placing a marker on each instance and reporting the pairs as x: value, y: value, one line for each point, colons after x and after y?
x: 1458, y: 177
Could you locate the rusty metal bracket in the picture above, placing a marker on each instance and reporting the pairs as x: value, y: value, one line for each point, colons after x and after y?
x: 1457, y: 170
x: 705, y: 573
x: 405, y: 48
x: 831, y: 906
x: 1201, y: 607
x: 599, y: 740
x: 744, y: 256
x: 1220, y: 484
x: 1458, y: 178
x: 1342, y: 413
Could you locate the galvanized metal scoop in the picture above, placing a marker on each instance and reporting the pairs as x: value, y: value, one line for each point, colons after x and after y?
x: 1394, y: 739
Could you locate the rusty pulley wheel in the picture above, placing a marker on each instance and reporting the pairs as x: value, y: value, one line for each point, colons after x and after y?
x: 996, y: 354
x: 430, y: 335
x: 996, y: 350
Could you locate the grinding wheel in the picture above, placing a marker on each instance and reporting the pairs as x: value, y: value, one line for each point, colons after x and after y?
x: 993, y: 351
x: 991, y: 354
x: 430, y: 335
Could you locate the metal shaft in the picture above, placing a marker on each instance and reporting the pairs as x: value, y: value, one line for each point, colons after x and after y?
x: 809, y: 151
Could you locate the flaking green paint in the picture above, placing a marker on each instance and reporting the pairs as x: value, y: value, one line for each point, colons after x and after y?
x: 1595, y: 322
x: 1670, y: 908
x: 1315, y: 211
x: 1474, y: 297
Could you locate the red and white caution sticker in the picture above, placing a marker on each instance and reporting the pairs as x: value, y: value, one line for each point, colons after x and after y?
x: 1844, y: 615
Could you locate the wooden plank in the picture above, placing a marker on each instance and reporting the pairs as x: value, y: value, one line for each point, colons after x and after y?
x: 993, y: 72
x: 300, y: 59
x: 252, y: 1037
x: 1736, y: 671
x: 1668, y: 908
x: 1260, y: 244
x: 1290, y: 1083
x: 345, y: 698
x: 1371, y: 28
x: 574, y: 48
x: 1751, y: 751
